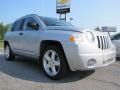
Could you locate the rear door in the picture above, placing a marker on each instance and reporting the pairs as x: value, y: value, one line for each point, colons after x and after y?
x: 16, y: 35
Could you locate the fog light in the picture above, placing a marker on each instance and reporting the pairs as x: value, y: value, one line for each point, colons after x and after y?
x: 91, y: 62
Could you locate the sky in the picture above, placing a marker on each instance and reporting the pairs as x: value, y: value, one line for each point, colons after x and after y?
x: 85, y: 13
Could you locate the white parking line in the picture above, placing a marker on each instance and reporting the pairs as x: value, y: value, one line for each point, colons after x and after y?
x: 1, y: 53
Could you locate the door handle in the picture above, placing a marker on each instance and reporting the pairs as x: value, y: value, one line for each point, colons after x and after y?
x: 20, y: 33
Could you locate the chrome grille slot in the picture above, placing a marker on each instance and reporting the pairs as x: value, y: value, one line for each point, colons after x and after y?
x: 103, y: 42
x: 98, y: 42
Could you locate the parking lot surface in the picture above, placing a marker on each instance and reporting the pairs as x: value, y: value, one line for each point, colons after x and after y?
x: 25, y: 74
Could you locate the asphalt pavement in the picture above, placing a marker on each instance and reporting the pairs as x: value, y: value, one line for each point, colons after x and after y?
x: 25, y: 74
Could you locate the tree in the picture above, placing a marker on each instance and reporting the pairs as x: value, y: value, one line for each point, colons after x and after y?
x: 97, y: 28
x: 3, y: 29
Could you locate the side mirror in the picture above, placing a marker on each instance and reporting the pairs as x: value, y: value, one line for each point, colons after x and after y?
x: 33, y: 25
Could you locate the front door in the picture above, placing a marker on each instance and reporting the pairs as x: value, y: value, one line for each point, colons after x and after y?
x: 31, y: 37
x: 116, y: 42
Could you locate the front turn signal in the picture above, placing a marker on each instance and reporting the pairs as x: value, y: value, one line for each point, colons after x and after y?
x: 76, y: 38
x: 72, y: 39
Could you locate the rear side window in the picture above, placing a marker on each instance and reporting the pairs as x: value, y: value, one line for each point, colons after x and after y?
x: 18, y: 25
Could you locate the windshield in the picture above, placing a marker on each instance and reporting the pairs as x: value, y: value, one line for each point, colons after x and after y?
x: 54, y: 22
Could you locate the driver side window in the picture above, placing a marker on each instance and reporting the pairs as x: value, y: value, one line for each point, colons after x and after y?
x: 31, y: 24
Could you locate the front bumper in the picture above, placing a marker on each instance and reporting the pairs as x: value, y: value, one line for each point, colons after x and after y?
x: 78, y: 56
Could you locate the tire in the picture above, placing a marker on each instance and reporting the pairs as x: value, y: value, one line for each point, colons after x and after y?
x: 54, y: 63
x: 9, y: 56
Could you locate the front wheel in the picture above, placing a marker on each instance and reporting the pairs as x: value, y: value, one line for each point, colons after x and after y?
x: 8, y: 53
x: 54, y: 62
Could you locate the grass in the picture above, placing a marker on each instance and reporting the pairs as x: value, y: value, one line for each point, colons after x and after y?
x: 1, y: 44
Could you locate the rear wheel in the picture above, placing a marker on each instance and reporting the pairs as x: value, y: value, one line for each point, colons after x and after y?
x: 9, y: 56
x: 54, y: 62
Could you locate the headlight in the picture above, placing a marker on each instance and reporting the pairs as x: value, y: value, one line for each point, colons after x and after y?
x: 90, y: 37
x: 76, y: 38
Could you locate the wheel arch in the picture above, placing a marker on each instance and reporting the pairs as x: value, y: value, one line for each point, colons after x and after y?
x: 52, y: 42
x: 6, y: 43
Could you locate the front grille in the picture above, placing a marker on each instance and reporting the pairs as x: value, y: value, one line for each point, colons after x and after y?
x: 103, y: 42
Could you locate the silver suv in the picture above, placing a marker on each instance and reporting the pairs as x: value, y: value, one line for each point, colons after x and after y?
x: 58, y: 45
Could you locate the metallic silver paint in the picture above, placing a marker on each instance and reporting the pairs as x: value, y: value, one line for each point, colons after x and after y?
x: 77, y: 53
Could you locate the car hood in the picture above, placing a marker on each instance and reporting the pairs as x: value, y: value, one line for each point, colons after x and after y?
x: 73, y: 29
x: 63, y: 28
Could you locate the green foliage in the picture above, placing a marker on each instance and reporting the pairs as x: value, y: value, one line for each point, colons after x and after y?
x: 1, y: 44
x: 97, y: 28
x: 3, y: 29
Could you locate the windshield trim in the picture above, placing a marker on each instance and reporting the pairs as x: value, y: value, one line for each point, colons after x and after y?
x: 48, y: 21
